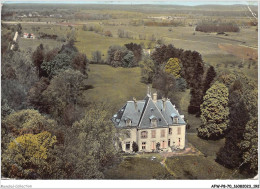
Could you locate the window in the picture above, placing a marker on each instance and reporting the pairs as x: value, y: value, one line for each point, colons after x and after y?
x: 179, y: 131
x: 169, y: 142
x: 154, y: 123
x: 128, y: 134
x: 162, y: 133
x: 153, y: 145
x: 170, y: 131
x: 176, y: 119
x: 143, y: 145
x: 128, y: 122
x: 153, y: 133
x: 144, y: 134
x: 179, y: 141
x: 127, y: 146
x: 163, y: 144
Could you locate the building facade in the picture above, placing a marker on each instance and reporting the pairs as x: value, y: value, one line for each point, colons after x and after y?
x: 153, y: 124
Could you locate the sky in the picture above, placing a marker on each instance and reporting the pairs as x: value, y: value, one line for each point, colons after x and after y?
x: 161, y: 2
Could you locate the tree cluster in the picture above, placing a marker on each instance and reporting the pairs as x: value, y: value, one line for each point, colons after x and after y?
x: 126, y: 56
x: 240, y: 149
x: 223, y: 27
x: 169, y: 65
x: 48, y: 130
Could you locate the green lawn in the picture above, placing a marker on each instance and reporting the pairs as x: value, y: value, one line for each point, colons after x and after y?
x: 199, y: 167
x: 207, y: 147
x: 138, y: 168
x: 114, y: 86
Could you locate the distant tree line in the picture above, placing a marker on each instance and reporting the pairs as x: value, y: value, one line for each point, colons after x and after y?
x: 222, y: 27
x: 164, y: 23
x: 47, y: 36
x: 92, y: 16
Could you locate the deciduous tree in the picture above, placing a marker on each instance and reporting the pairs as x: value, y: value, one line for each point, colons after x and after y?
x: 214, y: 112
x: 26, y: 156
x: 173, y: 67
x: 60, y: 63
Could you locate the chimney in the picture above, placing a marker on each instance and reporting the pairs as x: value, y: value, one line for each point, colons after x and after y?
x: 135, y: 102
x: 155, y: 96
x: 148, y: 91
x: 164, y: 102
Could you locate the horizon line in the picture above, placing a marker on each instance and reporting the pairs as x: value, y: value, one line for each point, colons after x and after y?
x: 125, y: 2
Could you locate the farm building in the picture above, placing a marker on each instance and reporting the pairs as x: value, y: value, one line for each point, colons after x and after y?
x: 29, y: 35
x: 153, y: 124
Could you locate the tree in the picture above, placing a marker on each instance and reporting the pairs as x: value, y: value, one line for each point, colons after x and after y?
x: 108, y: 33
x: 211, y: 74
x: 135, y: 147
x: 34, y: 95
x: 5, y: 108
x: 214, y: 112
x: 68, y: 48
x: 50, y: 55
x: 181, y: 84
x: 60, y: 63
x: 173, y: 67
x: 26, y: 156
x: 192, y: 71
x: 80, y: 62
x: 147, y: 69
x: 119, y: 56
x: 230, y: 155
x: 158, y: 146
x: 37, y: 59
x: 14, y: 92
x: 128, y: 60
x: 164, y: 53
x: 249, y: 146
x: 7, y: 72
x: 27, y: 121
x: 243, y: 112
x: 164, y: 83
x: 137, y: 51
x: 64, y: 89
x: 96, y: 57
x: 92, y: 157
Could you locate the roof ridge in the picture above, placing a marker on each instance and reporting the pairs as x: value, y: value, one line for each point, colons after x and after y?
x: 144, y: 109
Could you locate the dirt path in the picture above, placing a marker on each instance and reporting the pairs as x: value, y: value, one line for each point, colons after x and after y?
x: 167, y: 168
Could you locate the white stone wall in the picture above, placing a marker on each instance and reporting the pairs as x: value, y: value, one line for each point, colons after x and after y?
x: 176, y: 139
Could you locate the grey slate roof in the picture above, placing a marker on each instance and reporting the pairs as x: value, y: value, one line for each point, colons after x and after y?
x: 141, y: 112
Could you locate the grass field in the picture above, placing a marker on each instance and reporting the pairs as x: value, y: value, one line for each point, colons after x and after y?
x: 114, y: 86
x: 229, y: 62
x: 138, y: 168
x: 25, y: 44
x: 199, y: 167
x: 88, y: 42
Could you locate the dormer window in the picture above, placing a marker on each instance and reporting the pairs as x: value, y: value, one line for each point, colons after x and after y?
x: 175, y: 118
x: 128, y: 122
x: 153, y: 121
